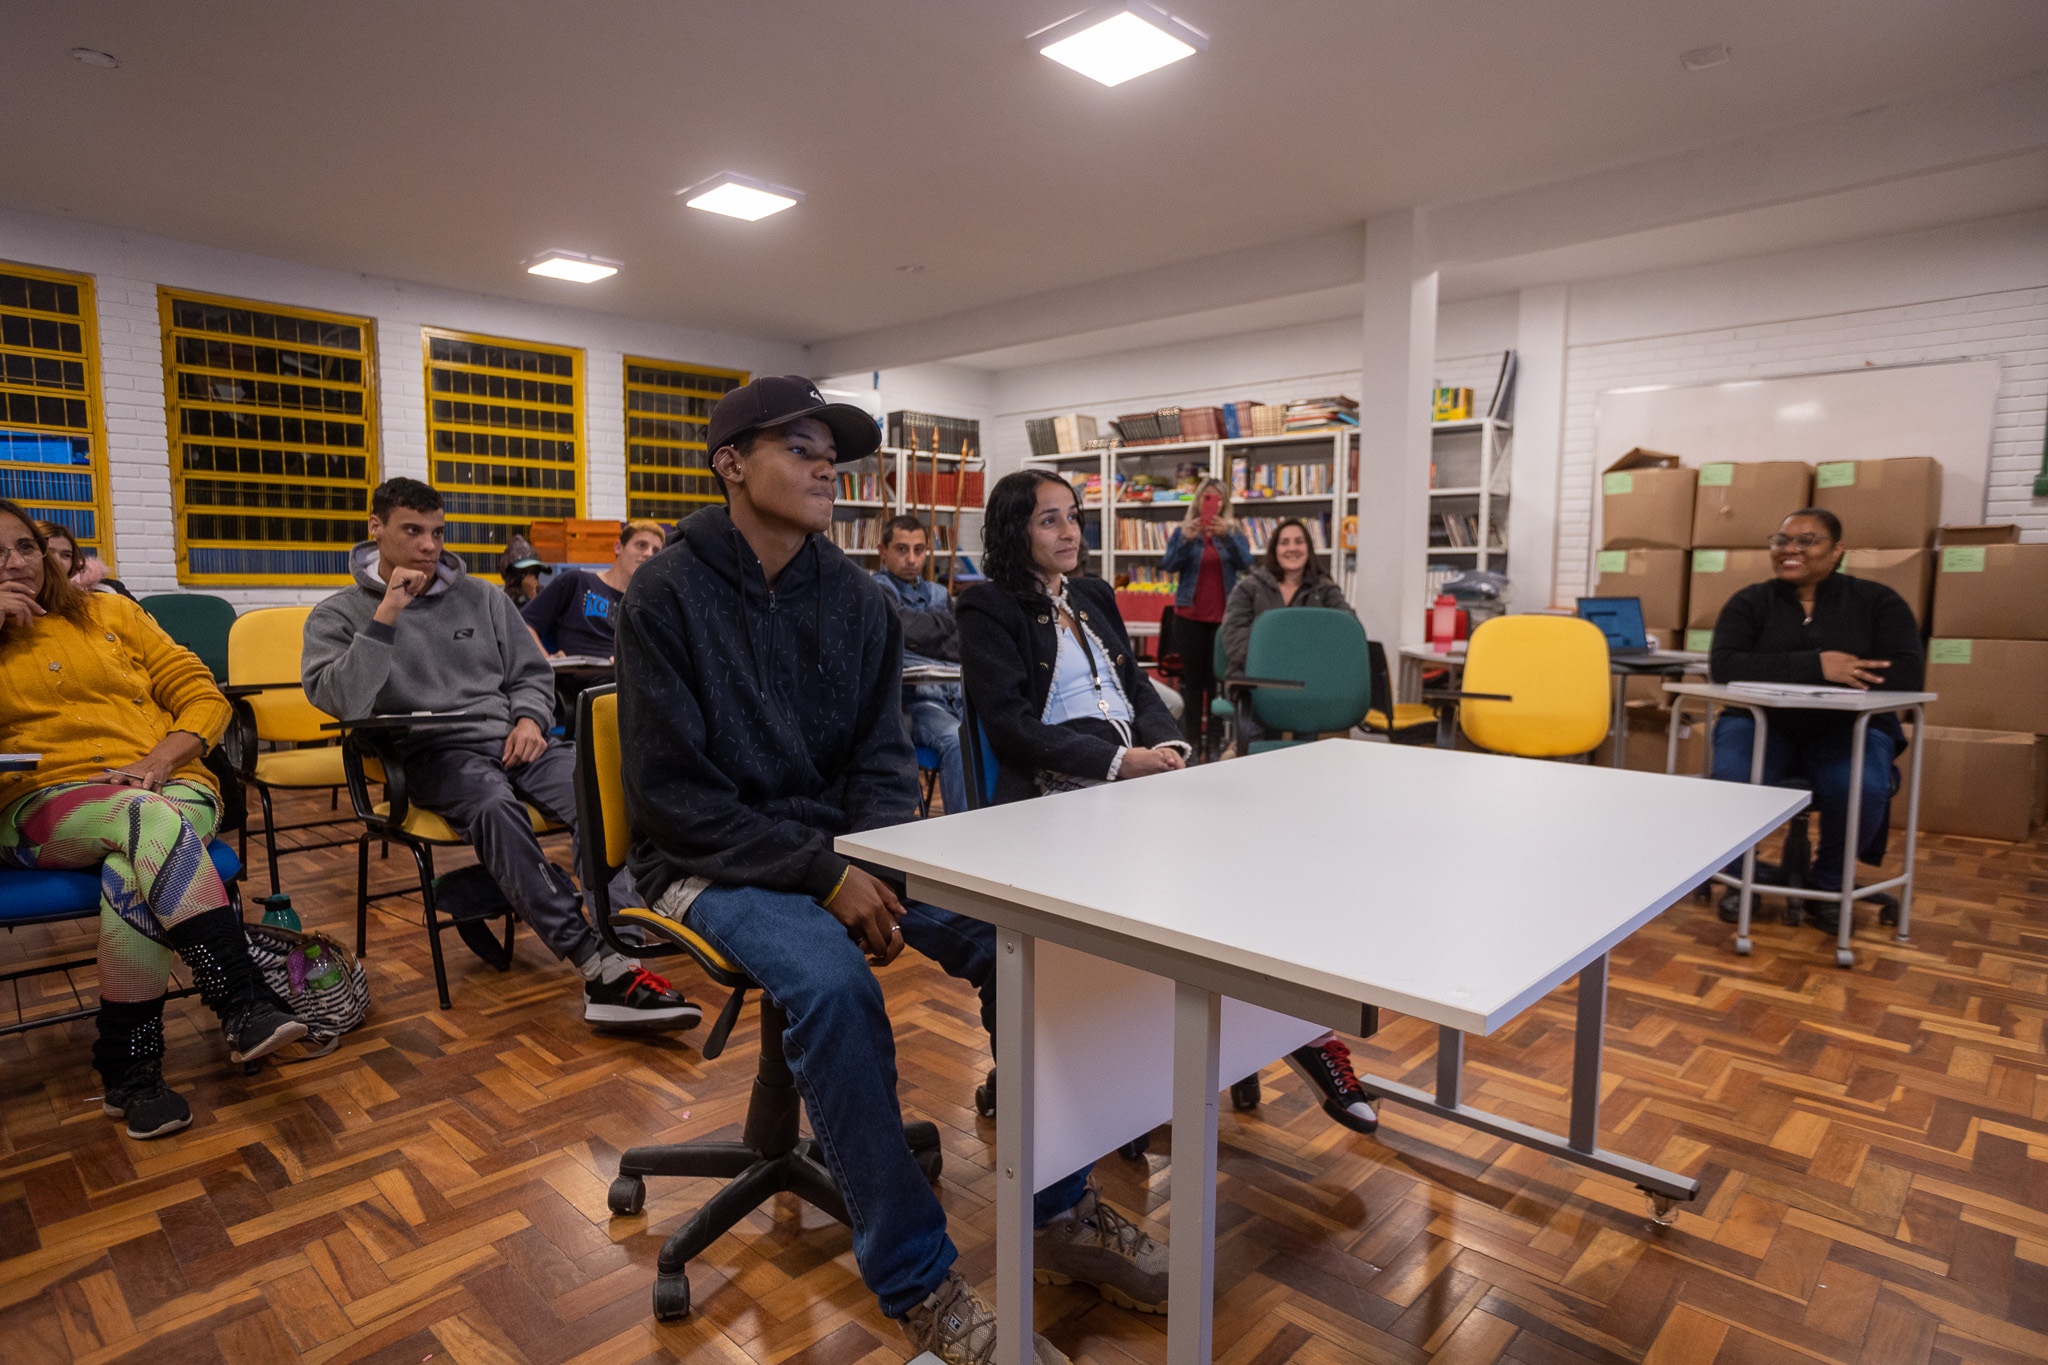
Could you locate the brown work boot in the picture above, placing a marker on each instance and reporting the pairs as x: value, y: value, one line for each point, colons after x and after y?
x: 1091, y: 1243
x: 957, y: 1325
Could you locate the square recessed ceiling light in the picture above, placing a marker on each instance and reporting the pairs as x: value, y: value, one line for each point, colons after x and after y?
x: 1116, y: 42
x: 739, y: 196
x: 571, y: 265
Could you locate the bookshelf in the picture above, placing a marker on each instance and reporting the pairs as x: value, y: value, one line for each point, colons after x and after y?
x: 1308, y: 474
x: 1136, y: 533
x: 881, y: 486
x: 1470, y: 467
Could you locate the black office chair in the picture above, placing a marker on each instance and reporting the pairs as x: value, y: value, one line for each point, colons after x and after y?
x: 771, y: 1156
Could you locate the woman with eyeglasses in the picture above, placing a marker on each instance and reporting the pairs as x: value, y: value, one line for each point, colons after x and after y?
x: 1811, y: 623
x: 120, y: 715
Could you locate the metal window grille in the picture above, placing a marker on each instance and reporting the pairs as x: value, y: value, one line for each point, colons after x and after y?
x: 668, y: 407
x: 53, y: 435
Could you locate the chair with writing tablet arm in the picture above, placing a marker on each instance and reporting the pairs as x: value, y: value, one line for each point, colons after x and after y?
x: 771, y: 1157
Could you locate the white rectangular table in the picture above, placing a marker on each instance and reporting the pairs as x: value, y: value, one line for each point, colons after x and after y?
x: 1313, y: 881
x: 1863, y: 705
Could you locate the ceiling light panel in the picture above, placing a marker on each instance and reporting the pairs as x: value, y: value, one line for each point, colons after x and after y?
x: 1114, y: 43
x: 571, y: 265
x: 740, y: 196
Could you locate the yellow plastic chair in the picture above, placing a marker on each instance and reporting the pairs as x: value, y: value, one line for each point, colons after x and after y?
x: 772, y: 1157
x: 271, y: 708
x: 1554, y: 670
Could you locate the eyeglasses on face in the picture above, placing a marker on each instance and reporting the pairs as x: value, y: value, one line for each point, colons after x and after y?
x: 1805, y: 542
x: 25, y: 551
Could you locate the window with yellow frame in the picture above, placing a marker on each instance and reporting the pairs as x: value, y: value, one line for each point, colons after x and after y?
x: 53, y: 434
x: 668, y: 406
x: 273, y: 429
x: 504, y: 436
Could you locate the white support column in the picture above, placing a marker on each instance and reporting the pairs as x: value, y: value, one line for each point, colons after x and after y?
x: 1393, y: 419
x: 1540, y: 349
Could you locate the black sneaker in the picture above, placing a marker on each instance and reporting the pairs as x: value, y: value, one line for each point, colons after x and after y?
x: 151, y: 1107
x: 639, y: 999
x: 1327, y: 1066
x: 260, y: 1030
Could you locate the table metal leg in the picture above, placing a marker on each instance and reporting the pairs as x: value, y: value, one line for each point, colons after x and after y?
x: 1587, y: 1044
x: 1618, y: 727
x: 1197, y: 1018
x: 1845, y: 956
x: 1450, y: 1065
x: 1016, y: 1046
x: 1759, y: 740
x: 1912, y: 822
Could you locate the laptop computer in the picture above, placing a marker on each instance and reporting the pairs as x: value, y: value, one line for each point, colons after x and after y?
x: 1621, y: 620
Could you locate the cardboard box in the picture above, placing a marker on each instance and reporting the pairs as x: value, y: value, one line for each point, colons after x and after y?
x: 1977, y: 535
x: 1646, y: 502
x: 1999, y: 591
x: 1718, y: 575
x: 1656, y: 576
x: 1740, y: 505
x: 1981, y: 784
x: 1988, y: 684
x: 1883, y: 504
x: 1905, y: 572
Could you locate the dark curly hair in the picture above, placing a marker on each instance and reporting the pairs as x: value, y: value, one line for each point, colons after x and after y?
x: 1006, y: 529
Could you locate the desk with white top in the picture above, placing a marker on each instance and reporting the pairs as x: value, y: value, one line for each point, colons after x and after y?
x: 1863, y: 705
x: 1240, y: 954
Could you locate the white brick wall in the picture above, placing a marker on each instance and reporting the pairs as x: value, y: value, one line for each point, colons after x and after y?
x: 127, y: 269
x: 2010, y: 326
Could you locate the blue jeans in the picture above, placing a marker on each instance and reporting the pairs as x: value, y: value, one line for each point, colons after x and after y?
x: 843, y: 1056
x: 936, y: 710
x: 1822, y: 758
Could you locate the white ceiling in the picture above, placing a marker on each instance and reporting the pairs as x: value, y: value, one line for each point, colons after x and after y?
x: 445, y: 142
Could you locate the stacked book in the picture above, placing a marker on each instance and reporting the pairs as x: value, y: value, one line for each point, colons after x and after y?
x: 1142, y: 535
x: 860, y: 488
x: 1250, y: 481
x: 855, y: 533
x: 1061, y: 435
x: 928, y: 432
x: 1320, y: 414
x: 1460, y: 531
x: 1201, y: 424
x: 1253, y: 419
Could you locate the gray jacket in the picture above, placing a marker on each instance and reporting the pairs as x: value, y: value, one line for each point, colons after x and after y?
x: 1259, y: 592
x: 460, y: 647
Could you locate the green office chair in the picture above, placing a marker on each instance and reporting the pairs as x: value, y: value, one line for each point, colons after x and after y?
x: 198, y: 621
x: 1322, y: 649
x: 1221, y: 707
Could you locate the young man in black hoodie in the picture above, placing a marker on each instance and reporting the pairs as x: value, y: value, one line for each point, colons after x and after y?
x: 760, y: 674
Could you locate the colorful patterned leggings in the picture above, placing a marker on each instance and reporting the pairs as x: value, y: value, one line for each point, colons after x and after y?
x: 154, y: 870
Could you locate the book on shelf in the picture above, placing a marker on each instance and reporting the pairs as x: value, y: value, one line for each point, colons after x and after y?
x: 1502, y: 408
x: 1201, y: 424
x: 1074, y: 431
x: 1460, y: 531
x: 1268, y: 419
x: 1169, y: 424
x: 1138, y: 428
x: 929, y: 432
x: 855, y: 533
x: 1258, y: 530
x: 1043, y: 434
x: 1317, y: 414
x: 1251, y: 480
x: 861, y: 488
x: 943, y: 490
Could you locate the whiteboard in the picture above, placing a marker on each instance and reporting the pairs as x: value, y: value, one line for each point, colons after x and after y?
x: 1943, y: 411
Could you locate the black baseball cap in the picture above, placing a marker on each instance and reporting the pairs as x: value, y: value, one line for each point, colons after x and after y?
x: 776, y: 398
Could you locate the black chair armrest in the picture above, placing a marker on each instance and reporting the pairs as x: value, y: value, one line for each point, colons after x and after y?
x: 1239, y: 681
x: 422, y: 720
x: 1446, y: 701
x: 378, y: 737
x: 236, y: 691
x: 240, y: 738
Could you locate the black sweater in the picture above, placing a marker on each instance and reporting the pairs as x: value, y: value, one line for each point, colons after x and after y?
x: 1763, y: 636
x: 1008, y: 647
x: 756, y: 725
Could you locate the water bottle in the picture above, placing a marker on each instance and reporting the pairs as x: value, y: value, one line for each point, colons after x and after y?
x: 278, y: 912
x: 323, y: 969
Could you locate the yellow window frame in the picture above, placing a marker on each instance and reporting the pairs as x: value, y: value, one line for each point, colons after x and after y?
x: 176, y: 403
x: 482, y: 556
x: 20, y: 475
x: 636, y: 499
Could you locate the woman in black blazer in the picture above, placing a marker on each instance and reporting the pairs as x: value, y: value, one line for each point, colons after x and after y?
x: 1044, y: 656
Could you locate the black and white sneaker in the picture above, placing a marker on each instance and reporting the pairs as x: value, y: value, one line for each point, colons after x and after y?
x: 1327, y: 1066
x: 639, y: 999
x: 260, y: 1030
x: 151, y: 1107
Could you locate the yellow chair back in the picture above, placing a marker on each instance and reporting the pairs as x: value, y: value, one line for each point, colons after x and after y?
x: 264, y: 647
x: 606, y: 776
x: 1555, y: 668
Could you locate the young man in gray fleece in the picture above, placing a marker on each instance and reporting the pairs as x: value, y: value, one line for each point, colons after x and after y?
x: 416, y: 633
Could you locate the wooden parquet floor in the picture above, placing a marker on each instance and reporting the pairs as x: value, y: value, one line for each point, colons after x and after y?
x: 1870, y: 1143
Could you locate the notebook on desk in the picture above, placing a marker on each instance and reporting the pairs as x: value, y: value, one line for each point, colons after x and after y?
x: 1621, y: 620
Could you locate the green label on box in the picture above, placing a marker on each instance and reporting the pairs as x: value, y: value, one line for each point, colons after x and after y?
x: 1835, y: 474
x: 1699, y: 641
x: 1710, y: 561
x: 1716, y: 475
x: 1962, y: 559
x: 1948, y: 651
x: 1613, y: 561
x: 1620, y: 482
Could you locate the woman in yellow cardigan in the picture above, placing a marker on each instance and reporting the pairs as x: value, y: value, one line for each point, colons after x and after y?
x: 121, y: 715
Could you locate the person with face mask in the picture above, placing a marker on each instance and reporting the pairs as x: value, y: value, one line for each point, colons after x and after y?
x: 1208, y: 550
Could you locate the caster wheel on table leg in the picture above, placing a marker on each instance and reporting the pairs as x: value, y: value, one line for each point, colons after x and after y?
x: 1742, y: 947
x: 1135, y: 1149
x: 626, y: 1196
x: 1663, y: 1209
x: 1245, y: 1094
x: 1844, y: 957
x: 671, y: 1298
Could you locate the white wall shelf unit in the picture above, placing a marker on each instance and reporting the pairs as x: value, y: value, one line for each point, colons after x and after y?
x: 856, y: 521
x: 1473, y: 458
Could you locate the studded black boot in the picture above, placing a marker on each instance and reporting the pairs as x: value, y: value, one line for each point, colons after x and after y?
x: 129, y: 1055
x: 216, y: 948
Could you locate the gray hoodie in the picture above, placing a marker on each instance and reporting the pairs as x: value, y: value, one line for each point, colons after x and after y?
x: 459, y: 647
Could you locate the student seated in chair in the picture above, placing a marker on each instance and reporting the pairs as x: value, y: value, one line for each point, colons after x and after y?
x: 1054, y: 682
x: 1811, y: 623
x: 1289, y: 574
x: 759, y: 716
x: 122, y: 715
x: 417, y: 633
x: 929, y: 636
x: 578, y: 610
